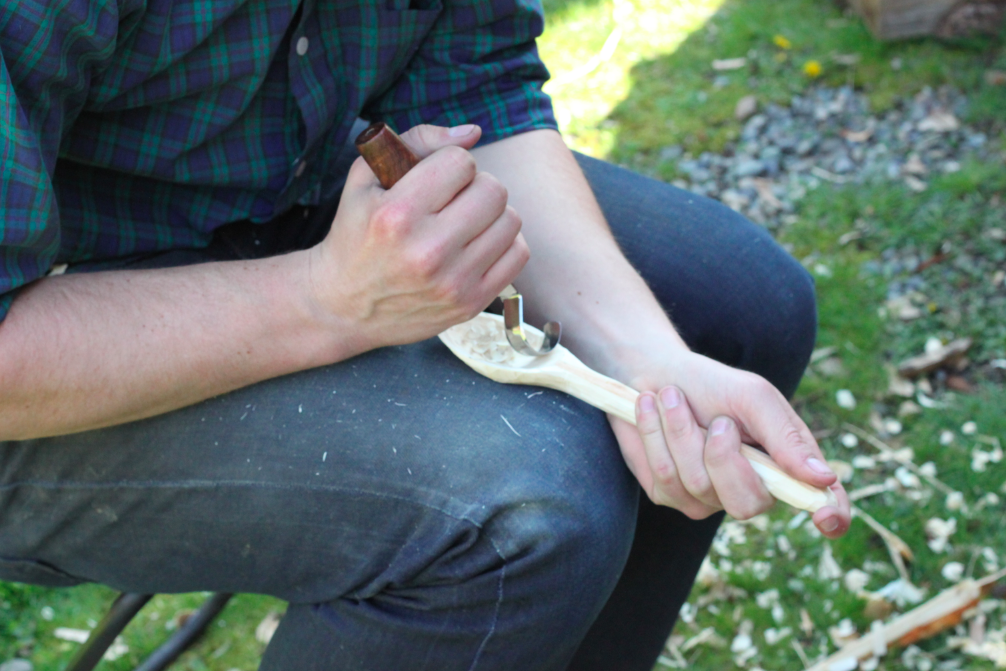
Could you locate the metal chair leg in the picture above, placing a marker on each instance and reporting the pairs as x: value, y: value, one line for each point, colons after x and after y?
x: 186, y: 635
x: 122, y: 611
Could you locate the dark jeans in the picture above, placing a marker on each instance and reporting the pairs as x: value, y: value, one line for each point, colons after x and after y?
x: 387, y: 497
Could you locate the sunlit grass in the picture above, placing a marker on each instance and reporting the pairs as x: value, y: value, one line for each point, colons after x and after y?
x: 576, y: 33
x: 659, y: 88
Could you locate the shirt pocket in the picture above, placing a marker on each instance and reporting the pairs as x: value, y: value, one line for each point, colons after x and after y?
x: 36, y: 573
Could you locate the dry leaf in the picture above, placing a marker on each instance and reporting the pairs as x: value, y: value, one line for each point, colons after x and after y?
x: 930, y: 361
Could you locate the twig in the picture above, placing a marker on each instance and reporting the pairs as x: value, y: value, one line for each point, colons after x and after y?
x: 869, y: 490
x: 887, y: 451
x: 800, y: 653
x: 946, y: 609
x: 897, y: 548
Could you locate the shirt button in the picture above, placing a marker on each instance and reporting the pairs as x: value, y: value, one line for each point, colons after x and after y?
x: 301, y: 167
x: 302, y: 45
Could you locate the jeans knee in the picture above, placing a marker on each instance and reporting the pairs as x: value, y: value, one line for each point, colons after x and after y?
x: 572, y: 545
x: 788, y: 325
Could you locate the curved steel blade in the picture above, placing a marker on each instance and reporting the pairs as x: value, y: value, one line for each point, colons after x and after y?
x: 513, y: 320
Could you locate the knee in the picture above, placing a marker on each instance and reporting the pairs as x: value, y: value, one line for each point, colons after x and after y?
x: 571, y: 544
x: 783, y: 336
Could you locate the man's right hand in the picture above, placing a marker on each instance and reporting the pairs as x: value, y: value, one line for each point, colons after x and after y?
x: 403, y: 264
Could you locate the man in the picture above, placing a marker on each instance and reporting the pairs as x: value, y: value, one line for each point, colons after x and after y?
x: 235, y: 386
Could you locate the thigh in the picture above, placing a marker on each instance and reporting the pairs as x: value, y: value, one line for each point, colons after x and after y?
x: 308, y: 486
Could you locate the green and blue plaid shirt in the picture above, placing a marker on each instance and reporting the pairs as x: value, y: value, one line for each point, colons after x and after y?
x: 132, y: 126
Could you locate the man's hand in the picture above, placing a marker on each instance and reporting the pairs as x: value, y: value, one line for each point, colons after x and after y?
x: 686, y: 452
x: 700, y: 470
x: 404, y: 264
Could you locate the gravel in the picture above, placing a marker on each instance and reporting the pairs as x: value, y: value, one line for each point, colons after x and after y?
x: 829, y: 135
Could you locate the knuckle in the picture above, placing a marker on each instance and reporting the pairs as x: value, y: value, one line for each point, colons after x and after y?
x: 795, y: 438
x: 494, y: 189
x: 391, y: 221
x: 459, y: 160
x: 648, y: 425
x: 760, y: 390
x: 677, y: 429
x: 425, y: 262
x: 665, y: 475
x: 698, y: 483
x: 523, y: 251
x: 513, y: 219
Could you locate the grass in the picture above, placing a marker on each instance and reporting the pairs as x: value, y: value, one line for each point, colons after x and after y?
x: 657, y: 88
x: 851, y: 321
x: 25, y: 630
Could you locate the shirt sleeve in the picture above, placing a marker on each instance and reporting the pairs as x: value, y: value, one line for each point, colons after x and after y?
x: 479, y: 64
x: 46, y: 57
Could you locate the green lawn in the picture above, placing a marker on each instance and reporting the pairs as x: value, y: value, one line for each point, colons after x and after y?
x: 652, y: 87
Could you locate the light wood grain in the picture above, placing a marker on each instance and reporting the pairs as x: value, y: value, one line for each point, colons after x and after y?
x: 482, y: 345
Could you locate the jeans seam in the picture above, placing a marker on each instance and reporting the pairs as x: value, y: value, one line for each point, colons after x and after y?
x: 499, y: 604
x: 214, y: 484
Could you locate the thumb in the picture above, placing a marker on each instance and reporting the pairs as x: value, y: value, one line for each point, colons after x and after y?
x: 425, y: 139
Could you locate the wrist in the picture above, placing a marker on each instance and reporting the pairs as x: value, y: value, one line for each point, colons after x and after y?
x: 323, y: 335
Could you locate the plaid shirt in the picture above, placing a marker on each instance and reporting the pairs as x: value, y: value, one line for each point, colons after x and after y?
x: 132, y: 126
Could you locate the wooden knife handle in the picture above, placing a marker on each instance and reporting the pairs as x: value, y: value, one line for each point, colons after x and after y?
x: 386, y: 153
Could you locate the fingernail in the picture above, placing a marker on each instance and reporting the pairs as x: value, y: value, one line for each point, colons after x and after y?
x: 720, y: 426
x: 646, y: 403
x: 819, y: 466
x: 670, y: 397
x: 829, y: 525
x: 461, y: 131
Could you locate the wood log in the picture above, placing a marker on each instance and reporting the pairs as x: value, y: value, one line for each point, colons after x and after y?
x: 896, y: 19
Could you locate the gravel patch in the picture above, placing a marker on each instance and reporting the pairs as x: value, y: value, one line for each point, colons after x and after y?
x: 829, y: 135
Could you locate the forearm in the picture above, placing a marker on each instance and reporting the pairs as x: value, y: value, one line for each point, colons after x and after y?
x: 83, y: 351
x: 576, y: 274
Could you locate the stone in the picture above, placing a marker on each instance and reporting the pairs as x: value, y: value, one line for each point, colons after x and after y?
x: 749, y: 167
x: 843, y: 165
x: 746, y: 108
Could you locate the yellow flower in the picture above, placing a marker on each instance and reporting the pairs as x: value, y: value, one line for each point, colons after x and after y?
x: 812, y: 69
x: 782, y: 42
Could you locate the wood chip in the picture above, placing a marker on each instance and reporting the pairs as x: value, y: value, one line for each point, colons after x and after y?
x: 723, y: 64
x: 925, y: 363
x: 946, y: 609
x: 267, y: 627
x: 72, y: 635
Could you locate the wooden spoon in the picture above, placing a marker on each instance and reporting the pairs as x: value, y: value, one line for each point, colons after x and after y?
x: 481, y: 343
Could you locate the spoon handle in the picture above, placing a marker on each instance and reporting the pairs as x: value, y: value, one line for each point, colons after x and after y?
x: 577, y: 379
